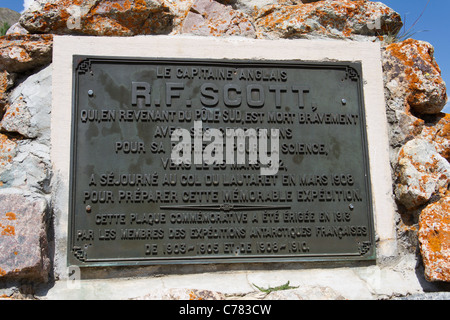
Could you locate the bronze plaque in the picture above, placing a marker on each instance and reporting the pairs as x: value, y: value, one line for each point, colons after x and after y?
x: 218, y: 161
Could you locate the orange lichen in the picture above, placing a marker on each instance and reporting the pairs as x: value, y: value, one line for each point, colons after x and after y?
x: 434, y: 236
x: 194, y: 296
x: 434, y: 242
x: 3, y: 81
x: 118, y: 18
x: 439, y: 134
x: 10, y: 216
x: 343, y: 16
x: 19, y: 52
x: 421, y: 71
x: 439, y: 239
x: 7, y: 230
x: 6, y: 145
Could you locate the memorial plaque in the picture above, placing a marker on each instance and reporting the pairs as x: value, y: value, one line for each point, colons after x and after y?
x: 218, y: 161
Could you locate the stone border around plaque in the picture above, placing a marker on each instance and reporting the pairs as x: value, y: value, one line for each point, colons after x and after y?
x: 79, y: 53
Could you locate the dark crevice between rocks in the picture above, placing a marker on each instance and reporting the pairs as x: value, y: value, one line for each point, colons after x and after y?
x: 42, y: 288
x: 14, y: 136
x: 3, y: 106
x: 193, y: 10
x: 161, y: 15
x: 430, y: 119
x: 428, y: 286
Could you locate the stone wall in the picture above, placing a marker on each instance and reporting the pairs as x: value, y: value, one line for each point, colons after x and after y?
x: 415, y: 94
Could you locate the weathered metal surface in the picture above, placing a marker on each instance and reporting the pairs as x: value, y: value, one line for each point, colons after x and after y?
x: 131, y: 204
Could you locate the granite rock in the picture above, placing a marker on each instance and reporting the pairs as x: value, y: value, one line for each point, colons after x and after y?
x: 98, y: 17
x: 180, y: 9
x: 8, y: 150
x: 251, y: 7
x: 210, y: 18
x: 434, y: 237
x: 420, y: 148
x: 421, y: 173
x: 410, y: 71
x: 23, y: 236
x: 437, y: 132
x: 19, y: 53
x: 335, y: 19
x: 16, y: 28
x: 413, y: 75
x: 6, y: 82
x: 306, y: 293
x: 28, y: 112
x: 26, y: 159
x: 182, y: 294
x: 29, y: 169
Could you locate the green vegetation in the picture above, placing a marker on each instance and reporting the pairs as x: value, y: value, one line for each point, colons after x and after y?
x: 405, y: 34
x: 285, y: 286
x: 4, y: 28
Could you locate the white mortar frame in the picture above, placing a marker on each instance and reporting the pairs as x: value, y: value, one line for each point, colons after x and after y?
x: 368, y: 53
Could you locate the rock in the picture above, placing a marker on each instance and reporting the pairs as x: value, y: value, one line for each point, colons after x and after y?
x: 23, y: 236
x: 182, y: 294
x: 437, y: 132
x: 98, y: 17
x: 427, y: 296
x: 335, y: 19
x: 306, y: 293
x: 6, y: 82
x: 17, y: 118
x: 19, y: 53
x: 3, y: 87
x: 7, y: 153
x: 16, y: 28
x: 28, y: 113
x: 412, y: 74
x: 403, y: 127
x: 29, y: 169
x: 180, y: 9
x: 419, y: 136
x: 434, y: 237
x: 421, y: 173
x: 251, y: 7
x: 210, y: 18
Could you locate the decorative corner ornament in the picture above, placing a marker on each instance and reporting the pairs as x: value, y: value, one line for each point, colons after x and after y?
x: 364, y: 247
x: 352, y: 74
x: 84, y: 66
